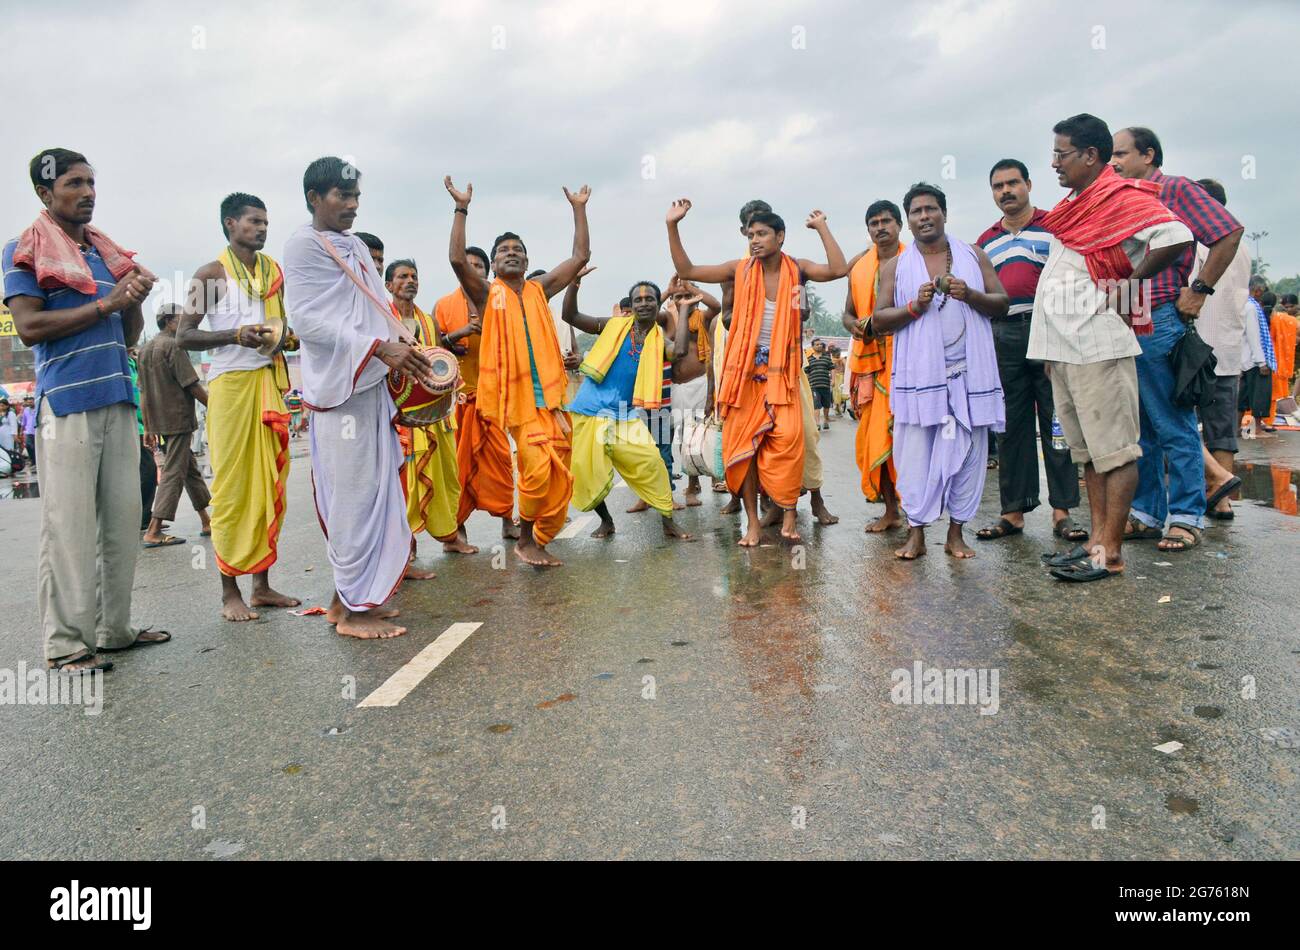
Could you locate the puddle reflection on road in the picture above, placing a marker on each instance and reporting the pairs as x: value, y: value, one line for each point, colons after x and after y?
x: 1276, y: 486
x: 19, y: 490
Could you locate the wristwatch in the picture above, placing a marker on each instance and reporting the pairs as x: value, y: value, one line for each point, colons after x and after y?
x: 1201, y: 287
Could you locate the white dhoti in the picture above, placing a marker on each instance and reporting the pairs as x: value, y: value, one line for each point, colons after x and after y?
x: 688, y: 406
x: 356, y: 468
x: 942, y: 467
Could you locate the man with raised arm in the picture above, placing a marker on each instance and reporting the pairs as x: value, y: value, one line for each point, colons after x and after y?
x: 623, y: 381
x: 522, y: 380
x: 759, y: 392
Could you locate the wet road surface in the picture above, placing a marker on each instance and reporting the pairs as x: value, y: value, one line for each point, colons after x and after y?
x: 653, y: 700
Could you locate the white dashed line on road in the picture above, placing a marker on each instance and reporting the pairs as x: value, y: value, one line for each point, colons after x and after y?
x: 397, y: 686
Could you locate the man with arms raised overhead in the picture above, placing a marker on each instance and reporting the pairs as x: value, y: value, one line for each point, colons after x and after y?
x: 759, y: 392
x: 483, y: 461
x: 522, y: 379
x: 348, y: 335
x: 240, y: 294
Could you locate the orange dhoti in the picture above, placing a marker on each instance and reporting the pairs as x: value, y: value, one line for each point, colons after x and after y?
x: 769, y: 436
x: 874, y: 442
x: 487, y: 478
x: 545, y: 482
x: 1282, y: 328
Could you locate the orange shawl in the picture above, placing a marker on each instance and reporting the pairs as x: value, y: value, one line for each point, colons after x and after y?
x: 697, y: 325
x: 784, y: 365
x: 452, y: 313
x: 505, y: 381
x: 868, y: 356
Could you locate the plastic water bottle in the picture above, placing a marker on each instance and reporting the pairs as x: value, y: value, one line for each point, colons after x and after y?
x: 1058, y: 435
x: 1248, y: 426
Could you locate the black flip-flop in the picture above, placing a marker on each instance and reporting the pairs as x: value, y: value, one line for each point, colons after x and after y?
x: 137, y: 642
x: 1063, y: 558
x: 1081, y: 572
x: 1003, y: 529
x: 1220, y: 515
x: 1226, y: 489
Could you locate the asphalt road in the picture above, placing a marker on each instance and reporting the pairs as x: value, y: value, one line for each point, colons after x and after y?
x: 653, y: 700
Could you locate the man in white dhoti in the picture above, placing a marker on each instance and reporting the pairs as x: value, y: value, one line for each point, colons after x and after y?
x: 692, y: 362
x: 945, y: 391
x: 340, y: 314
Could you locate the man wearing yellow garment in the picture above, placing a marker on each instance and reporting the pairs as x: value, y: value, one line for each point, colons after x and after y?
x: 430, y: 475
x: 624, y: 380
x: 242, y: 294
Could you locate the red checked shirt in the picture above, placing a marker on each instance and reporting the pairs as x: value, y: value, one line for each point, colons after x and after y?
x: 1208, y: 221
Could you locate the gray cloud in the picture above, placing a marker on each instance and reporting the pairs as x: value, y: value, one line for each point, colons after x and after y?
x: 722, y: 98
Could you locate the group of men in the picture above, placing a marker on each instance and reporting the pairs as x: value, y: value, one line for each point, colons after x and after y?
x: 1067, y: 320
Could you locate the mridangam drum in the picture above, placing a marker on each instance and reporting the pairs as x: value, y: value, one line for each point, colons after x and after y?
x: 421, y: 404
x: 702, y: 448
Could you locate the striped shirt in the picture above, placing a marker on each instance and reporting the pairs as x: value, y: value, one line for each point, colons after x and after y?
x: 1208, y: 221
x: 819, y: 370
x: 84, y: 371
x: 1265, y: 337
x: 1073, y: 321
x: 1018, y: 258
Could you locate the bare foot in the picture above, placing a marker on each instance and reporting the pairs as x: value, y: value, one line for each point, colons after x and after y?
x: 266, y: 597
x: 234, y: 609
x: 886, y: 522
x: 413, y: 573
x: 693, y: 499
x: 788, y: 529
x: 531, y: 552
x: 509, y: 529
x: 641, y: 506
x: 732, y: 507
x: 458, y: 545
x: 752, y: 536
x: 820, y: 511
x: 720, y: 487
x: 677, y: 505
x: 337, y: 612
x: 672, y: 531
x: 606, y: 530
x: 955, y: 544
x: 367, y: 626
x: 770, y: 517
x: 915, y: 546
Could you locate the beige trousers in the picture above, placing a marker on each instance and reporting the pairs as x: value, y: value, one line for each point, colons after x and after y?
x: 90, y: 527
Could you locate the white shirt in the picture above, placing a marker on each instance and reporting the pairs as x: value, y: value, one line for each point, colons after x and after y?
x: 1222, y: 322
x: 769, y: 318
x: 1073, y: 321
x: 8, y: 430
x: 235, y: 309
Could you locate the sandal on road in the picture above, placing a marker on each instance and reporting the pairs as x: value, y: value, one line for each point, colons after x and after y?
x: 167, y: 541
x: 83, y: 662
x: 1223, y: 491
x: 1183, y: 544
x: 1220, y: 515
x: 1067, y: 529
x: 1002, y: 529
x: 1075, y: 554
x: 1141, y: 532
x: 145, y: 638
x: 1081, y: 572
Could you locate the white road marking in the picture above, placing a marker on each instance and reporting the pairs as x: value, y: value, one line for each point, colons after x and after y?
x: 620, y: 484
x: 425, y: 662
x: 571, y: 531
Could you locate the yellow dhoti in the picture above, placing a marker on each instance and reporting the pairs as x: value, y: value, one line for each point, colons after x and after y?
x: 431, y: 479
x: 248, y: 438
x: 603, y: 446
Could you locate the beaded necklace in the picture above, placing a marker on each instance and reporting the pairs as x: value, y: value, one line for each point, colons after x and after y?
x: 943, y: 279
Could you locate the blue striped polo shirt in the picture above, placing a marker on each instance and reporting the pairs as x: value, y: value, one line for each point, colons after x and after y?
x: 84, y: 371
x: 1018, y: 259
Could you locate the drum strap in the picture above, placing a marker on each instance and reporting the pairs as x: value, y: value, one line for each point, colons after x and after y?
x: 402, y: 333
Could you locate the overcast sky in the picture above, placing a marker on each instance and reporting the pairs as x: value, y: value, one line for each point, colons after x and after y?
x: 824, y: 105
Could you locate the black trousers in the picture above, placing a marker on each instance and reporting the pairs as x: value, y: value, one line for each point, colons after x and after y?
x: 148, y: 483
x: 1028, y: 394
